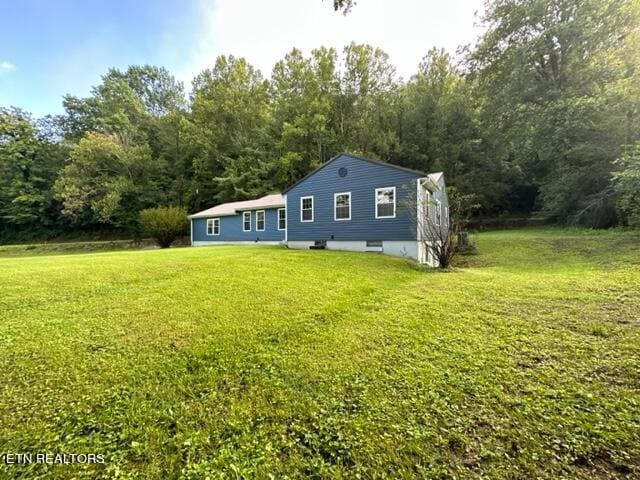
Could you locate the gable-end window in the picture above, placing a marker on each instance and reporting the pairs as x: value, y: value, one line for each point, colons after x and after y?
x: 306, y: 209
x: 282, y: 219
x: 342, y: 206
x: 213, y: 226
x: 246, y: 221
x: 386, y: 202
x: 260, y: 220
x: 438, y: 212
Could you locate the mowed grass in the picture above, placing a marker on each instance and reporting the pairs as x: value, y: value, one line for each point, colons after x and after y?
x: 261, y: 362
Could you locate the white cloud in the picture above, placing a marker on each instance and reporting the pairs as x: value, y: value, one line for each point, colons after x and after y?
x: 6, y: 67
x: 263, y: 32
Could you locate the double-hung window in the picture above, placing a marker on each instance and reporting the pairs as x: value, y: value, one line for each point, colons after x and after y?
x: 246, y: 221
x: 260, y: 220
x: 282, y: 219
x: 342, y: 206
x: 306, y: 209
x: 213, y: 226
x: 438, y: 212
x: 386, y: 202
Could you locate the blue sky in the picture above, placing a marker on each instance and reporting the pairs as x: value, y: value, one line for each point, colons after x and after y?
x: 49, y: 48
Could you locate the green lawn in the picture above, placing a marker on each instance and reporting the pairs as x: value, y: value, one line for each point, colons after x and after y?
x: 261, y: 362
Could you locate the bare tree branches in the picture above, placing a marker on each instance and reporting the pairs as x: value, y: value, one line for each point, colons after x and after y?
x: 439, y: 221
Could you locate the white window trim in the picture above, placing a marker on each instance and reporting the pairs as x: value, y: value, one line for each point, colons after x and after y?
x: 264, y: 221
x: 335, y: 206
x: 375, y: 202
x: 285, y: 219
x: 212, y: 222
x: 313, y: 206
x: 244, y: 223
x: 438, y: 214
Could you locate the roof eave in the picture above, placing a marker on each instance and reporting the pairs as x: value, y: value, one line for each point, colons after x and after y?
x: 210, y: 215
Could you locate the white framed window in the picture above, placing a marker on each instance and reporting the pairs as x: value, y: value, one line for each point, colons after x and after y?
x: 282, y: 219
x: 386, y: 202
x: 306, y: 209
x: 246, y: 221
x: 213, y: 226
x: 438, y: 217
x: 445, y: 211
x: 260, y: 221
x: 342, y: 206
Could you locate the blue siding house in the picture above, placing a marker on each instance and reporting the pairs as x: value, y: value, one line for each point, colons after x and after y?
x: 253, y: 221
x: 348, y: 203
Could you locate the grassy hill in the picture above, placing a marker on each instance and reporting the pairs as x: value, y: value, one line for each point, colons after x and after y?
x: 241, y: 362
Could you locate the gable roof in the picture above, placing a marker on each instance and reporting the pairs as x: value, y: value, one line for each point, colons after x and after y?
x: 435, y: 177
x: 376, y: 162
x: 232, y: 208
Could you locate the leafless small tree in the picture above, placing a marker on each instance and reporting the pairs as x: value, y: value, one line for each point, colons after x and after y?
x: 439, y: 225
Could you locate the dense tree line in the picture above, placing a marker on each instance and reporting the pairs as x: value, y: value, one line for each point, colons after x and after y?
x: 541, y: 115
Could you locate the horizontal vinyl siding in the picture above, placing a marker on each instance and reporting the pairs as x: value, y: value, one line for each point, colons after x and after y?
x: 231, y: 229
x: 361, y: 180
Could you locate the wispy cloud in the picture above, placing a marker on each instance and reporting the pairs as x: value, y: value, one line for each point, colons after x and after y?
x: 6, y: 67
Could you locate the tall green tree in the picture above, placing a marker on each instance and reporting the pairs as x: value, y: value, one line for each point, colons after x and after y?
x: 29, y: 162
x: 548, y: 69
x: 440, y: 130
x: 366, y: 111
x: 124, y: 103
x: 435, y: 108
x: 304, y: 94
x: 108, y: 181
x: 139, y: 116
x: 231, y: 132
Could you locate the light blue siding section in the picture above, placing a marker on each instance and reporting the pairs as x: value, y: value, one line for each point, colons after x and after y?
x: 361, y: 180
x: 231, y: 229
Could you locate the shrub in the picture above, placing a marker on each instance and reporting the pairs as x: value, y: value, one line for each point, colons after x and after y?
x: 164, y: 224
